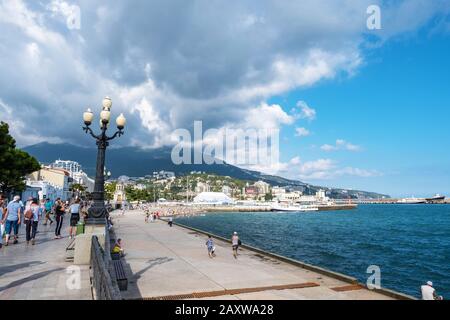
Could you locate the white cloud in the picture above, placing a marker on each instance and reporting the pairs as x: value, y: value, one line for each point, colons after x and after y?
x: 165, y: 75
x: 340, y: 145
x: 302, y: 132
x: 320, y: 170
x: 326, y: 169
x: 306, y: 111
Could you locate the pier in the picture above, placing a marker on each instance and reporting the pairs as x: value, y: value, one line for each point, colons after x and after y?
x: 171, y: 263
x: 165, y: 262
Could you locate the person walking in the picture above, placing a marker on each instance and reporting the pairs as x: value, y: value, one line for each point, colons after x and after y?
x: 2, y: 225
x: 211, y: 247
x: 12, y: 219
x: 235, y: 244
x: 48, y: 211
x: 74, y: 210
x: 59, y: 217
x: 32, y: 216
x: 170, y: 221
x: 123, y: 207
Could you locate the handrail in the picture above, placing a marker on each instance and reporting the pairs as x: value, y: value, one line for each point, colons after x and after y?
x: 103, y: 285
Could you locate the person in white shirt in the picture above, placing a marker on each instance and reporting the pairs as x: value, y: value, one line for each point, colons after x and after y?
x: 428, y: 292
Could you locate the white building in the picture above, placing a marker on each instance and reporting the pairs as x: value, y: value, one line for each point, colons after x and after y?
x: 202, y: 187
x: 163, y: 174
x: 120, y: 196
x: 83, y: 179
x: 213, y: 198
x: 290, y: 196
x: 140, y: 187
x: 75, y: 172
x: 321, y: 196
x: 263, y: 187
x: 227, y: 190
x: 58, y: 178
x: 277, y: 192
x: 68, y: 165
x: 44, y: 190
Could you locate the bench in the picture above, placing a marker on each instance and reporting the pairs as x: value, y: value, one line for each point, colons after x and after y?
x: 115, y: 256
x: 121, y: 277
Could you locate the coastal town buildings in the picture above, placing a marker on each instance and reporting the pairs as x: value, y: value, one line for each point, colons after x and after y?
x: 212, y: 198
x: 227, y: 190
x: 202, y: 187
x: 51, y: 182
x: 76, y: 173
x: 262, y: 187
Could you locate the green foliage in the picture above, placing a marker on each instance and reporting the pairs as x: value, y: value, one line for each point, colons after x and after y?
x: 15, y: 164
x: 268, y: 196
x: 110, y: 188
x: 77, y: 187
x: 137, y: 195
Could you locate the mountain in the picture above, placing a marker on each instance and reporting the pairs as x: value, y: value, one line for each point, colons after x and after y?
x: 137, y: 162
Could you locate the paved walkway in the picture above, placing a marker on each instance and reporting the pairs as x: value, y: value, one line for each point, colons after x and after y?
x: 40, y: 271
x: 169, y: 262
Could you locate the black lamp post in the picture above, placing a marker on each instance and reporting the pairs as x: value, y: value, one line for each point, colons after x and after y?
x: 97, y: 212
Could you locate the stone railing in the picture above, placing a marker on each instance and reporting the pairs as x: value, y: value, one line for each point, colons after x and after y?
x: 104, y: 286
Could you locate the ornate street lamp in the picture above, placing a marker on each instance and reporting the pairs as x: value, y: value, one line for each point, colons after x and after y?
x: 97, y: 212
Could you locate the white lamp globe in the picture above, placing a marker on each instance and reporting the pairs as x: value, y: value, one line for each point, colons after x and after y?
x: 105, y: 115
x: 107, y: 103
x: 121, y: 121
x: 88, y: 116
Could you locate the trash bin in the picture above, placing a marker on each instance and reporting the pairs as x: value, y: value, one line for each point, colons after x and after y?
x: 80, y: 227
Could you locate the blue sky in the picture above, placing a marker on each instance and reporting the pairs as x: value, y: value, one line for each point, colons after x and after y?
x: 396, y: 107
x: 356, y: 108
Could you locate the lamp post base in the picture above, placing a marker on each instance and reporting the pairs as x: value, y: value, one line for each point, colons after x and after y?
x: 97, y: 214
x: 96, y: 221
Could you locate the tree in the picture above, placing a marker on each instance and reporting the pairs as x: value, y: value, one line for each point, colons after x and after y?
x: 15, y: 164
x: 268, y: 197
x: 77, y: 187
x: 110, y: 188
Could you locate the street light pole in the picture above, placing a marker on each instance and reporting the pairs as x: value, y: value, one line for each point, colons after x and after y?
x: 97, y: 212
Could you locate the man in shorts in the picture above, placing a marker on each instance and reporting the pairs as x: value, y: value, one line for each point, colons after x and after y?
x: 12, y: 219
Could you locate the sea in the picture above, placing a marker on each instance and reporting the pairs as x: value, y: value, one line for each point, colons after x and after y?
x: 409, y: 243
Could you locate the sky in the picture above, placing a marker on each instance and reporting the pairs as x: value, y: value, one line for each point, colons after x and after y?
x: 355, y: 107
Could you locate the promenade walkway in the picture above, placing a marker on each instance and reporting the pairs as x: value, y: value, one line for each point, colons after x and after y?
x: 40, y: 271
x: 168, y: 263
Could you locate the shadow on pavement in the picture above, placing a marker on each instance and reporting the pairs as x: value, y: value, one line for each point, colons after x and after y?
x: 15, y: 267
x: 29, y: 278
x: 133, y: 291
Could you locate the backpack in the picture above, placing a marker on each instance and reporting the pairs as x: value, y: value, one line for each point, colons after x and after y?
x: 29, y: 214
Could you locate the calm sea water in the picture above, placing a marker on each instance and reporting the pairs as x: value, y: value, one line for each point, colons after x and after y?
x: 410, y: 243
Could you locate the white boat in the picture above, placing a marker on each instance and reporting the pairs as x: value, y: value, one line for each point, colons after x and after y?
x: 294, y: 208
x: 411, y: 200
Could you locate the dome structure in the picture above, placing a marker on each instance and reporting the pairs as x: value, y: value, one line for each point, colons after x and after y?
x: 213, y: 198
x: 123, y: 179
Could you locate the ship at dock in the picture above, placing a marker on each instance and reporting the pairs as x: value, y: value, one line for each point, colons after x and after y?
x: 436, y: 198
x: 294, y: 208
x: 412, y: 200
